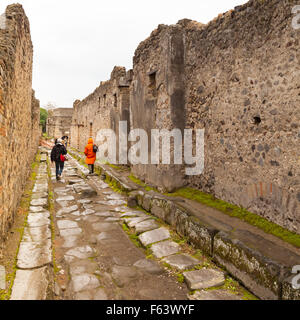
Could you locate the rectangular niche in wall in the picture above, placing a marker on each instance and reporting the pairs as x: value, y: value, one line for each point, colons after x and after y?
x: 152, y: 91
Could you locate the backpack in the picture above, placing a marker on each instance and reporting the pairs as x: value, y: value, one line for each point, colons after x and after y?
x: 95, y: 148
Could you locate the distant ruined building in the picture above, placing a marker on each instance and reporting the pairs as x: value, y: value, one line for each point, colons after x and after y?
x: 19, y: 112
x: 59, y: 122
x: 236, y: 77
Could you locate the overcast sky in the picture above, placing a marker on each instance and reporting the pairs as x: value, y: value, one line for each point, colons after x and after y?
x: 78, y: 42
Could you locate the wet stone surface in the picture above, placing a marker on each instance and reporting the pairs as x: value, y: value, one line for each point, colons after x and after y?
x: 181, y: 261
x: 204, y: 278
x: 98, y: 259
x: 164, y: 249
x: 154, y: 236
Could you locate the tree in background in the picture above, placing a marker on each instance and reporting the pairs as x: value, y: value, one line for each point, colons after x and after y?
x: 43, y: 119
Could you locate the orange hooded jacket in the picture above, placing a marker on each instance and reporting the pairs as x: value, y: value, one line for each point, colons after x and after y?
x: 90, y: 154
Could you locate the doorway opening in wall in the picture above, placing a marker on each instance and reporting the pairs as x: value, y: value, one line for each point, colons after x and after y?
x: 115, y: 100
x: 91, y: 129
x: 104, y: 100
x: 152, y: 85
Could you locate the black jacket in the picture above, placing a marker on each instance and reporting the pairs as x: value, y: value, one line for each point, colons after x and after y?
x: 57, y: 150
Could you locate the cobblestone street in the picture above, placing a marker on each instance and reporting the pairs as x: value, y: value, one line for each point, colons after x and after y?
x: 104, y: 250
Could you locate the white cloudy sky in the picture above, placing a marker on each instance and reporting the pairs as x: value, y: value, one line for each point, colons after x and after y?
x: 78, y: 42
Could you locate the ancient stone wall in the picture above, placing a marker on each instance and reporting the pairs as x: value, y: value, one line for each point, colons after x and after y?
x: 59, y: 122
x: 237, y: 78
x: 157, y: 97
x: 103, y: 109
x: 19, y: 111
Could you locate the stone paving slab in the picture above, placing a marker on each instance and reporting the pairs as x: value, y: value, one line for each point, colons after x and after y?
x: 84, y: 282
x: 2, y: 278
x: 213, y: 295
x: 132, y: 222
x: 40, y: 188
x: 34, y: 255
x: 38, y: 219
x: 98, y: 294
x: 133, y: 214
x: 164, y: 249
x: 153, y: 236
x: 144, y: 226
x: 39, y: 195
x: 70, y: 241
x: 85, y: 201
x: 70, y: 232
x: 115, y: 197
x: 181, y: 261
x: 67, y: 210
x: 88, y: 212
x: 36, y: 209
x: 39, y: 203
x: 81, y: 252
x: 204, y: 279
x: 65, y: 198
x: 67, y: 224
x: 148, y: 266
x: 123, y: 275
x: 30, y: 285
x: 37, y: 234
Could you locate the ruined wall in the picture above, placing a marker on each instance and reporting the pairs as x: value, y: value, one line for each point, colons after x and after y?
x: 103, y: 109
x: 59, y: 122
x: 240, y: 77
x: 19, y: 111
x: 157, y: 97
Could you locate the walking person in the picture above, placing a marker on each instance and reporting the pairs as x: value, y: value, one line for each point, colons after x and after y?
x: 58, y: 156
x: 90, y: 153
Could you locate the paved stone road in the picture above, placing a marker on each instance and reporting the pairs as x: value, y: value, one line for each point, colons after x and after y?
x: 98, y: 260
x: 93, y: 257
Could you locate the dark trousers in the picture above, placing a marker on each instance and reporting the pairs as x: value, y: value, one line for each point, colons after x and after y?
x: 91, y: 168
x: 59, y: 168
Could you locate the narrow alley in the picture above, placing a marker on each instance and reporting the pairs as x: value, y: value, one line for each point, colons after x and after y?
x: 104, y: 250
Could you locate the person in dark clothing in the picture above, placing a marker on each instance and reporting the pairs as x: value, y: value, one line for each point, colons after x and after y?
x: 56, y: 153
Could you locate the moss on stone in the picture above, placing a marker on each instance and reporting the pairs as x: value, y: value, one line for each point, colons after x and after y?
x: 141, y: 183
x: 238, y: 212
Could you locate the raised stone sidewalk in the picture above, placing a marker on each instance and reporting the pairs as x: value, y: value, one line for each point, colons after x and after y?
x: 35, y: 252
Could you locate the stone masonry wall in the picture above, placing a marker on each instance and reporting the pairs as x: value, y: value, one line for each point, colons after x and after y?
x: 243, y: 80
x: 19, y: 112
x: 59, y: 122
x: 238, y: 78
x: 103, y: 109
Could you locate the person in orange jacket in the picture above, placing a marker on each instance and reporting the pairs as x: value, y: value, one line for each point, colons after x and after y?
x: 90, y: 155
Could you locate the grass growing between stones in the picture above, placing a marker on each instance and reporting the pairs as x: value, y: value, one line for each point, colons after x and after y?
x: 12, y: 245
x: 133, y: 236
x: 141, y: 183
x: 234, y: 287
x: 241, y: 213
x: 187, y: 248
